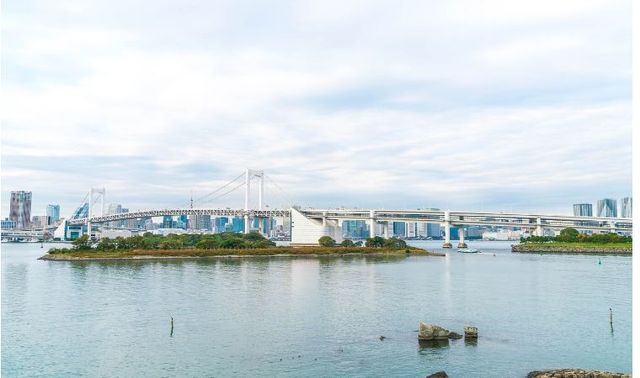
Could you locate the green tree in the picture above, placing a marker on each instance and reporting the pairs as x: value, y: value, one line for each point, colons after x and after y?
x: 395, y: 243
x: 106, y: 244
x: 375, y: 242
x: 569, y: 234
x: 82, y: 243
x: 327, y: 241
x: 347, y: 243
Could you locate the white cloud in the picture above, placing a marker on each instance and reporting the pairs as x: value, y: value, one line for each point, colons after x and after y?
x: 345, y: 103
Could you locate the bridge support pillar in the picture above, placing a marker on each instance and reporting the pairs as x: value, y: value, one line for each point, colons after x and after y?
x: 385, y: 230
x: 247, y: 225
x: 461, y: 243
x: 612, y: 227
x: 447, y: 230
x: 89, y: 230
x: 539, y: 230
x: 372, y: 224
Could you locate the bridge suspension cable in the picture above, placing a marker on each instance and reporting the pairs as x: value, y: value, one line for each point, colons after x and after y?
x: 285, y: 195
x: 203, y: 198
x: 227, y: 192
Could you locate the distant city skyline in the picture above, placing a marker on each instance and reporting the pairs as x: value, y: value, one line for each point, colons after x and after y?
x: 517, y: 108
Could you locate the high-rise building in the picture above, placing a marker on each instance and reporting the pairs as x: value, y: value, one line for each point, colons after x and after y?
x: 40, y: 221
x: 53, y: 212
x: 221, y: 224
x: 167, y: 221
x: 583, y: 210
x: 114, y: 208
x: 399, y: 229
x: 625, y: 208
x: 200, y: 222
x: 237, y: 224
x: 433, y: 230
x: 607, y: 208
x: 20, y: 208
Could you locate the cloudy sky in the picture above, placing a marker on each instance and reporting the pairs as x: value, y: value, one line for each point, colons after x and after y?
x: 492, y: 105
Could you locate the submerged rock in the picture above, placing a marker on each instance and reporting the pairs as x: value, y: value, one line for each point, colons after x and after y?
x: 575, y: 373
x: 440, y: 374
x: 431, y: 332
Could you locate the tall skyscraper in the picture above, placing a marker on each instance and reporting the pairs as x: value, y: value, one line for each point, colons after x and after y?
x: 607, y: 208
x: 20, y: 208
x: 53, y: 212
x: 625, y: 208
x: 583, y: 210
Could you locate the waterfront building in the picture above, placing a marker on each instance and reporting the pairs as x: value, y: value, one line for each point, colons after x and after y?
x: 7, y: 224
x: 412, y: 229
x: 220, y: 224
x: 200, y: 222
x: 625, y: 208
x: 53, y: 212
x: 607, y: 207
x: 183, y: 222
x: 355, y: 229
x: 433, y: 230
x: 237, y: 225
x: 399, y: 229
x: 40, y: 221
x: 454, y: 234
x: 20, y: 208
x: 583, y: 210
x: 167, y: 221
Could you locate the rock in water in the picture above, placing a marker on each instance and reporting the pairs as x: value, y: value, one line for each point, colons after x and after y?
x: 470, y: 332
x: 455, y: 336
x: 440, y: 374
x: 431, y: 332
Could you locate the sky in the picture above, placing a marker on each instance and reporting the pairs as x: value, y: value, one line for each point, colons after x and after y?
x: 460, y: 105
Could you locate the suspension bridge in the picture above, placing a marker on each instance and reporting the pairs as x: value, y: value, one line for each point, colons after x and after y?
x: 307, y: 225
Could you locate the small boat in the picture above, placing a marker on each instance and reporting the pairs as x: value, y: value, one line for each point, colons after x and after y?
x: 467, y: 250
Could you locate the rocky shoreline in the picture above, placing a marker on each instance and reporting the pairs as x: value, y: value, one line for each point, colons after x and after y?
x: 575, y: 373
x: 537, y: 248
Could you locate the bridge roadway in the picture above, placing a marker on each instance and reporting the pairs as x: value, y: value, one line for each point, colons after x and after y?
x: 335, y: 217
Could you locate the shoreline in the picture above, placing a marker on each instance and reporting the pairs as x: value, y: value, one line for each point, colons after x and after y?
x: 568, y: 249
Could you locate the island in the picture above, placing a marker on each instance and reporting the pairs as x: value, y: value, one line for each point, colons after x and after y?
x: 150, y: 246
x: 571, y: 240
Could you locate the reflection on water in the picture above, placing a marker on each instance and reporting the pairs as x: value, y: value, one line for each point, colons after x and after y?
x: 249, y: 316
x: 433, y: 343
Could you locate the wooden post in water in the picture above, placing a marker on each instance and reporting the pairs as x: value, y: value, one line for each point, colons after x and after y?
x: 171, y: 327
x: 611, y: 319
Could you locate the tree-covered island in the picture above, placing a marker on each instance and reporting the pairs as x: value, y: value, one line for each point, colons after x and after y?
x: 149, y: 245
x: 571, y: 240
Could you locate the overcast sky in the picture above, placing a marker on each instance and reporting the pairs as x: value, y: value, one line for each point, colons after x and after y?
x: 465, y: 105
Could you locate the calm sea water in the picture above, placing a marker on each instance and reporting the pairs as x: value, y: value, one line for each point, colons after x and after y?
x: 313, y: 316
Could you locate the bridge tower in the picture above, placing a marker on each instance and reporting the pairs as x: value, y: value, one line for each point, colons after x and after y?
x: 249, y: 175
x: 96, y: 194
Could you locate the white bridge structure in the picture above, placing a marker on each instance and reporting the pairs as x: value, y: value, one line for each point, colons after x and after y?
x: 308, y: 224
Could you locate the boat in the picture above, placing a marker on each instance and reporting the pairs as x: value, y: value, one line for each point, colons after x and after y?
x: 467, y: 250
